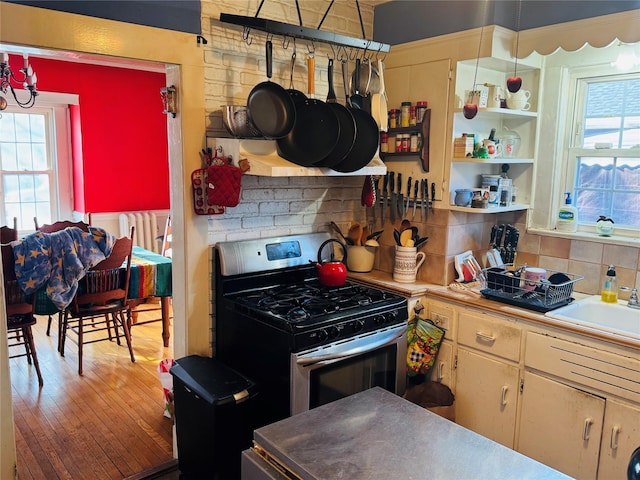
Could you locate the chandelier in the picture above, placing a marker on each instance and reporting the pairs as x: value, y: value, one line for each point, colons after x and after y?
x: 28, y: 82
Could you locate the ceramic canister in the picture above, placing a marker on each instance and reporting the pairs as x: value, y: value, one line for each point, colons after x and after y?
x: 407, y: 262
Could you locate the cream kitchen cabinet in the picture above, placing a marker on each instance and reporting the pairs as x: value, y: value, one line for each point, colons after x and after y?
x: 561, y: 426
x: 487, y: 375
x: 620, y: 437
x: 444, y: 316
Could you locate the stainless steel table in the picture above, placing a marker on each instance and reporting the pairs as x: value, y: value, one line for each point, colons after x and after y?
x: 378, y: 435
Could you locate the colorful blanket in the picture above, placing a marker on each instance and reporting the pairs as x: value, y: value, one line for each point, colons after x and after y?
x: 59, y: 260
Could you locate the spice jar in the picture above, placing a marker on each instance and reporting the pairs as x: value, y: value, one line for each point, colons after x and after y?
x: 384, y: 142
x: 405, y: 114
x: 399, y: 142
x: 406, y: 140
x: 393, y: 118
x: 413, y: 142
x: 421, y: 108
x: 412, y: 116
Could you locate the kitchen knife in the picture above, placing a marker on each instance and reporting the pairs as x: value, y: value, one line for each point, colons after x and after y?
x: 406, y: 208
x: 492, y: 240
x: 384, y: 196
x: 394, y: 197
x: 415, y: 199
x: 433, y: 194
x: 400, y: 197
x: 515, y: 236
x: 425, y: 200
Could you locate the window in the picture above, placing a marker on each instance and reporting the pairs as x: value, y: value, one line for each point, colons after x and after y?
x: 35, y: 163
x: 604, y: 155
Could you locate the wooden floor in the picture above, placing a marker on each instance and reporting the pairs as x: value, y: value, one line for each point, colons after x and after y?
x: 106, y: 424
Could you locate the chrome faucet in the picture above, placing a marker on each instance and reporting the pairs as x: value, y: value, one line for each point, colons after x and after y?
x: 633, y: 299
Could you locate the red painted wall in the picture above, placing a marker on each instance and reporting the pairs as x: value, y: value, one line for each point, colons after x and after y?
x: 119, y: 134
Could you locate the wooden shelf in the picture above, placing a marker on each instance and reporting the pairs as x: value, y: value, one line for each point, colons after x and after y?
x: 503, y: 112
x: 423, y: 154
x: 496, y: 160
x: 513, y: 208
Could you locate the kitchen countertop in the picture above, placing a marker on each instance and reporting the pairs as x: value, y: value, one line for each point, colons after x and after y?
x: 385, y: 280
x: 378, y: 435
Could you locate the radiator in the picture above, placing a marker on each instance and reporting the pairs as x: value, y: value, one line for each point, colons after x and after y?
x: 146, y: 232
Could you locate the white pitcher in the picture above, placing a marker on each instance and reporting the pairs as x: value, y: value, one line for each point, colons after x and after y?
x: 519, y: 100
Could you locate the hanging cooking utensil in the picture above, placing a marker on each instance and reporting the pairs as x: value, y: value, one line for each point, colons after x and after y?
x: 379, y: 103
x: 357, y: 99
x: 315, y: 132
x: 270, y: 108
x: 367, y: 135
x: 347, y: 126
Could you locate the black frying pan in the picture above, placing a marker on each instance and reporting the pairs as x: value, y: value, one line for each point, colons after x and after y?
x: 367, y: 135
x: 270, y: 107
x: 315, y: 132
x: 347, y: 127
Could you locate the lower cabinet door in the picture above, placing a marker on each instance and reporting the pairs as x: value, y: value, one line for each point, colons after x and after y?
x: 620, y: 438
x: 561, y: 426
x: 486, y: 396
x: 442, y: 368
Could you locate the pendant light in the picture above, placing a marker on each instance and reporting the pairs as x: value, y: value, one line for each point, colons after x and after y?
x: 514, y: 83
x: 470, y: 109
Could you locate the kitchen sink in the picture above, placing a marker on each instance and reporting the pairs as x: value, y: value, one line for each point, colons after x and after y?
x: 593, y: 312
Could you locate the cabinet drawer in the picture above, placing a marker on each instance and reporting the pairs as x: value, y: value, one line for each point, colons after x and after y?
x: 489, y: 334
x: 596, y: 368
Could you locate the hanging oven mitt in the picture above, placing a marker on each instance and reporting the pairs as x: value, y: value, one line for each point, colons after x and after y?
x: 224, y: 183
x: 423, y: 339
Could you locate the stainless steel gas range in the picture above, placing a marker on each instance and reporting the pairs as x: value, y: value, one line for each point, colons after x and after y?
x: 304, y: 344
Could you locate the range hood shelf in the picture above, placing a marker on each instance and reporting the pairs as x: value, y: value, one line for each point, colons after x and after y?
x: 295, y: 31
x: 265, y: 162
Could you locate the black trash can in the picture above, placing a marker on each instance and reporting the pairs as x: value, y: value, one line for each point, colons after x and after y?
x: 213, y: 413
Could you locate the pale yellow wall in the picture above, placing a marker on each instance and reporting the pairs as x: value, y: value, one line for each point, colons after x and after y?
x: 47, y: 29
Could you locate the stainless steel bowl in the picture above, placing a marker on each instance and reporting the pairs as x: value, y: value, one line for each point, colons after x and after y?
x: 236, y: 121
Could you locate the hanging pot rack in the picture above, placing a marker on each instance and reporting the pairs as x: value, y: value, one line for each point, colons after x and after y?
x: 298, y: 31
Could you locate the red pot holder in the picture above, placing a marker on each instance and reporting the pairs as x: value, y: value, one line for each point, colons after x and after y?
x: 224, y: 183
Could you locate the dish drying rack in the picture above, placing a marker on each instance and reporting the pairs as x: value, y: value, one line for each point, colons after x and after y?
x: 508, y: 285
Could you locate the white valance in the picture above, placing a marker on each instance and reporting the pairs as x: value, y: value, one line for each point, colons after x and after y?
x: 571, y: 36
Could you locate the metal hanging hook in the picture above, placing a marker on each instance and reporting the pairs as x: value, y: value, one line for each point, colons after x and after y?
x: 246, y: 35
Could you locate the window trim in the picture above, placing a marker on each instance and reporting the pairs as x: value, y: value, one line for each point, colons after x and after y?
x: 579, y: 79
x: 56, y: 107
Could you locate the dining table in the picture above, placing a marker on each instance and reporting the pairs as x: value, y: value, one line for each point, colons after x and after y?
x: 150, y: 277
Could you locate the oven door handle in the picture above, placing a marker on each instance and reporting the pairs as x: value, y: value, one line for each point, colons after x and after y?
x: 385, y: 339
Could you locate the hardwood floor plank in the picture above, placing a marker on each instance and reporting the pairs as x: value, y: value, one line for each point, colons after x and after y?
x: 106, y: 424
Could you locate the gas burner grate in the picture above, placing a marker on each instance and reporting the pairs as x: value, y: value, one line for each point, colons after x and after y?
x: 297, y: 303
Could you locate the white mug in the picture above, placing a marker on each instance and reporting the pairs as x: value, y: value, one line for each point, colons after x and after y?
x: 407, y: 262
x: 493, y: 149
x: 533, y: 275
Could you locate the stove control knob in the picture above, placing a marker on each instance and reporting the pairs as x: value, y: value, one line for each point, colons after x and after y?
x: 332, y: 332
x: 358, y: 325
x: 379, y: 320
x: 322, y: 336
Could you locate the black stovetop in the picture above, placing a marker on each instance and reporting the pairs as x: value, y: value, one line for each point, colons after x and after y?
x: 308, y: 304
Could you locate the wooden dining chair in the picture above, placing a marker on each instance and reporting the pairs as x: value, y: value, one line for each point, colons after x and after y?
x: 102, y: 299
x: 60, y: 225
x: 20, y: 310
x: 52, y: 228
x: 9, y: 234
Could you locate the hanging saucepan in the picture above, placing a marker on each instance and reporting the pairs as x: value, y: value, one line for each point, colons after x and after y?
x: 270, y: 108
x: 367, y: 135
x: 315, y: 132
x: 347, y: 127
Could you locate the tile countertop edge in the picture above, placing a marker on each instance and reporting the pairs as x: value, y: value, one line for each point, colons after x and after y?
x: 384, y: 280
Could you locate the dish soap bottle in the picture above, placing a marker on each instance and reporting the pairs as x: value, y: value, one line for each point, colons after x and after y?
x: 567, y: 216
x: 609, y: 292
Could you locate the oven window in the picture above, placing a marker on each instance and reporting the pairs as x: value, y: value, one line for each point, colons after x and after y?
x: 353, y: 375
